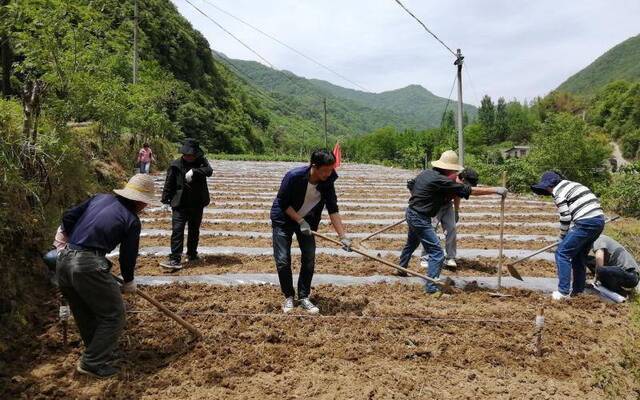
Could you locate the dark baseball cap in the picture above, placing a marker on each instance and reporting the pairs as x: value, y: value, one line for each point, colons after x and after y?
x: 470, y: 176
x: 548, y: 180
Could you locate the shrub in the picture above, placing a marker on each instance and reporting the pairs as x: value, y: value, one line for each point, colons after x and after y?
x: 623, y: 194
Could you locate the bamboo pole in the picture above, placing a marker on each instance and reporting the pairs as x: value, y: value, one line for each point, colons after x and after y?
x: 537, y: 333
x: 501, y: 248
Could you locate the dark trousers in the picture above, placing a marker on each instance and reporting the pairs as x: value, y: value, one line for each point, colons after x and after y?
x: 179, y: 218
x: 572, y: 252
x: 94, y: 297
x: 421, y: 231
x: 618, y: 280
x: 282, y: 237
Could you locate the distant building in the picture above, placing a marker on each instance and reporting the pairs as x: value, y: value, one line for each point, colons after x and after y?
x: 516, y: 152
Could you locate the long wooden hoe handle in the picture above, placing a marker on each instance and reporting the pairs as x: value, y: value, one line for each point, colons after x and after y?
x: 386, y: 228
x: 385, y: 262
x: 549, y: 247
x: 194, y: 331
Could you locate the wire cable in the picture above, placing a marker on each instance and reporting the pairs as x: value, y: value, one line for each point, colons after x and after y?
x: 444, y: 113
x: 287, y: 46
x: 425, y: 27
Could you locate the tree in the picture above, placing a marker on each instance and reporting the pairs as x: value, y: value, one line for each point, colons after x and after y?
x: 501, y: 121
x: 487, y: 117
x: 521, y: 122
x: 565, y: 143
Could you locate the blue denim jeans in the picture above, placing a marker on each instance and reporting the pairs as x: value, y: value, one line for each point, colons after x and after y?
x: 572, y: 254
x: 421, y: 231
x: 282, y: 238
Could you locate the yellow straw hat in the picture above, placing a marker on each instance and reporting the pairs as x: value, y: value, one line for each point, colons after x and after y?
x: 449, y: 161
x: 139, y: 188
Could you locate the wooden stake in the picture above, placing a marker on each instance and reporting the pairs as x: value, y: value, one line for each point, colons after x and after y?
x: 537, y: 333
x: 501, y: 248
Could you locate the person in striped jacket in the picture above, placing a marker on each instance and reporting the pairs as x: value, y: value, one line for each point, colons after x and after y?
x: 581, y: 222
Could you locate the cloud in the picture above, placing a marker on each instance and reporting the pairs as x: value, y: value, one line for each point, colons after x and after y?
x: 513, y: 49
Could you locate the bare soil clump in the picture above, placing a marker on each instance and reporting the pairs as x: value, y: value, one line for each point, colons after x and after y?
x: 372, y: 342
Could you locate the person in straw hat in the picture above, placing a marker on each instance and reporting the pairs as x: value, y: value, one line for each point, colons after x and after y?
x: 91, y: 230
x: 431, y: 190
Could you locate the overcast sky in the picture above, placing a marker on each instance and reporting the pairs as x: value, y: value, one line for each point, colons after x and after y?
x: 515, y: 49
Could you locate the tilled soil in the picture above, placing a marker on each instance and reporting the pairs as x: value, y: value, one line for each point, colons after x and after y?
x: 366, y: 346
x: 374, y: 243
x: 327, y: 264
x: 402, y: 228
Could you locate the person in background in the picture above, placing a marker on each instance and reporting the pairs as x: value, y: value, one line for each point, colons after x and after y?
x: 145, y: 157
x: 90, y: 231
x: 448, y: 218
x: 431, y: 190
x: 615, y: 267
x: 297, y: 208
x: 186, y: 193
x: 581, y: 222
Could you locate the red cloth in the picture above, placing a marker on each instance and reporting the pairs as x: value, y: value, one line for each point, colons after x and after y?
x: 337, y: 153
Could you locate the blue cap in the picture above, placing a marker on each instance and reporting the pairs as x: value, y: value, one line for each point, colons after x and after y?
x: 549, y: 180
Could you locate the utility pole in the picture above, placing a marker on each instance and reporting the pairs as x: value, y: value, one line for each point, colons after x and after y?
x: 458, y: 63
x: 135, y: 41
x: 324, y: 101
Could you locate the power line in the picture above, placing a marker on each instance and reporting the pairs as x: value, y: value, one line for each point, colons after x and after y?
x: 425, y: 27
x: 453, y: 85
x: 287, y: 46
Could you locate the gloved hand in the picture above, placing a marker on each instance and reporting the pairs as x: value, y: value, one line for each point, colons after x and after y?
x: 129, y: 287
x: 502, y: 191
x: 305, y: 228
x: 457, y: 216
x: 165, y: 207
x: 189, y: 176
x: 346, y: 243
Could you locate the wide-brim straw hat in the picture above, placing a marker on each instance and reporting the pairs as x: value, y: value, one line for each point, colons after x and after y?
x: 139, y: 188
x: 449, y: 161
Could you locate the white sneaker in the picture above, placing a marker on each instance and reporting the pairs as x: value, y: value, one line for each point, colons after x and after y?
x: 424, y: 263
x: 288, y: 305
x: 308, y: 306
x: 557, y: 296
x: 451, y: 263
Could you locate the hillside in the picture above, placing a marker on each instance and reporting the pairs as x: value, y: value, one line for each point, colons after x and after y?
x: 621, y: 62
x: 350, y: 111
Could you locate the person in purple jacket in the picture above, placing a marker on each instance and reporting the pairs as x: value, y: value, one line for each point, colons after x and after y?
x: 93, y: 229
x: 297, y: 208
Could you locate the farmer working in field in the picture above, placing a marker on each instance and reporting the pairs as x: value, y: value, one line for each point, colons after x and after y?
x: 187, y: 194
x: 297, y: 208
x: 430, y: 191
x: 581, y: 222
x: 448, y: 218
x: 615, y: 267
x: 93, y: 229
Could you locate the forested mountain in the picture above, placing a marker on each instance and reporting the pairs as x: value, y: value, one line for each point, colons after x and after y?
x: 621, y: 62
x: 351, y: 111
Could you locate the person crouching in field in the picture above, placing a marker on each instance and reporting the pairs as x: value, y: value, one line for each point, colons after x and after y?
x: 431, y: 190
x: 581, y: 222
x: 297, y: 208
x: 615, y: 267
x: 90, y: 231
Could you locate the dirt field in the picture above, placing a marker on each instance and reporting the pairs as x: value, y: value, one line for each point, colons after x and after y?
x: 366, y: 346
x: 326, y: 264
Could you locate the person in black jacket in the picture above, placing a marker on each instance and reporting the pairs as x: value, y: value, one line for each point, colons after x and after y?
x: 186, y: 192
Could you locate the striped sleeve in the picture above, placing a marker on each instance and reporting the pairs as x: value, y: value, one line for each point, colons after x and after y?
x: 563, y: 209
x: 575, y: 201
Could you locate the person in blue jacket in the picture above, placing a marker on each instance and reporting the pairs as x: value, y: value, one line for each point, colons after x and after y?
x: 297, y: 208
x: 90, y: 231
